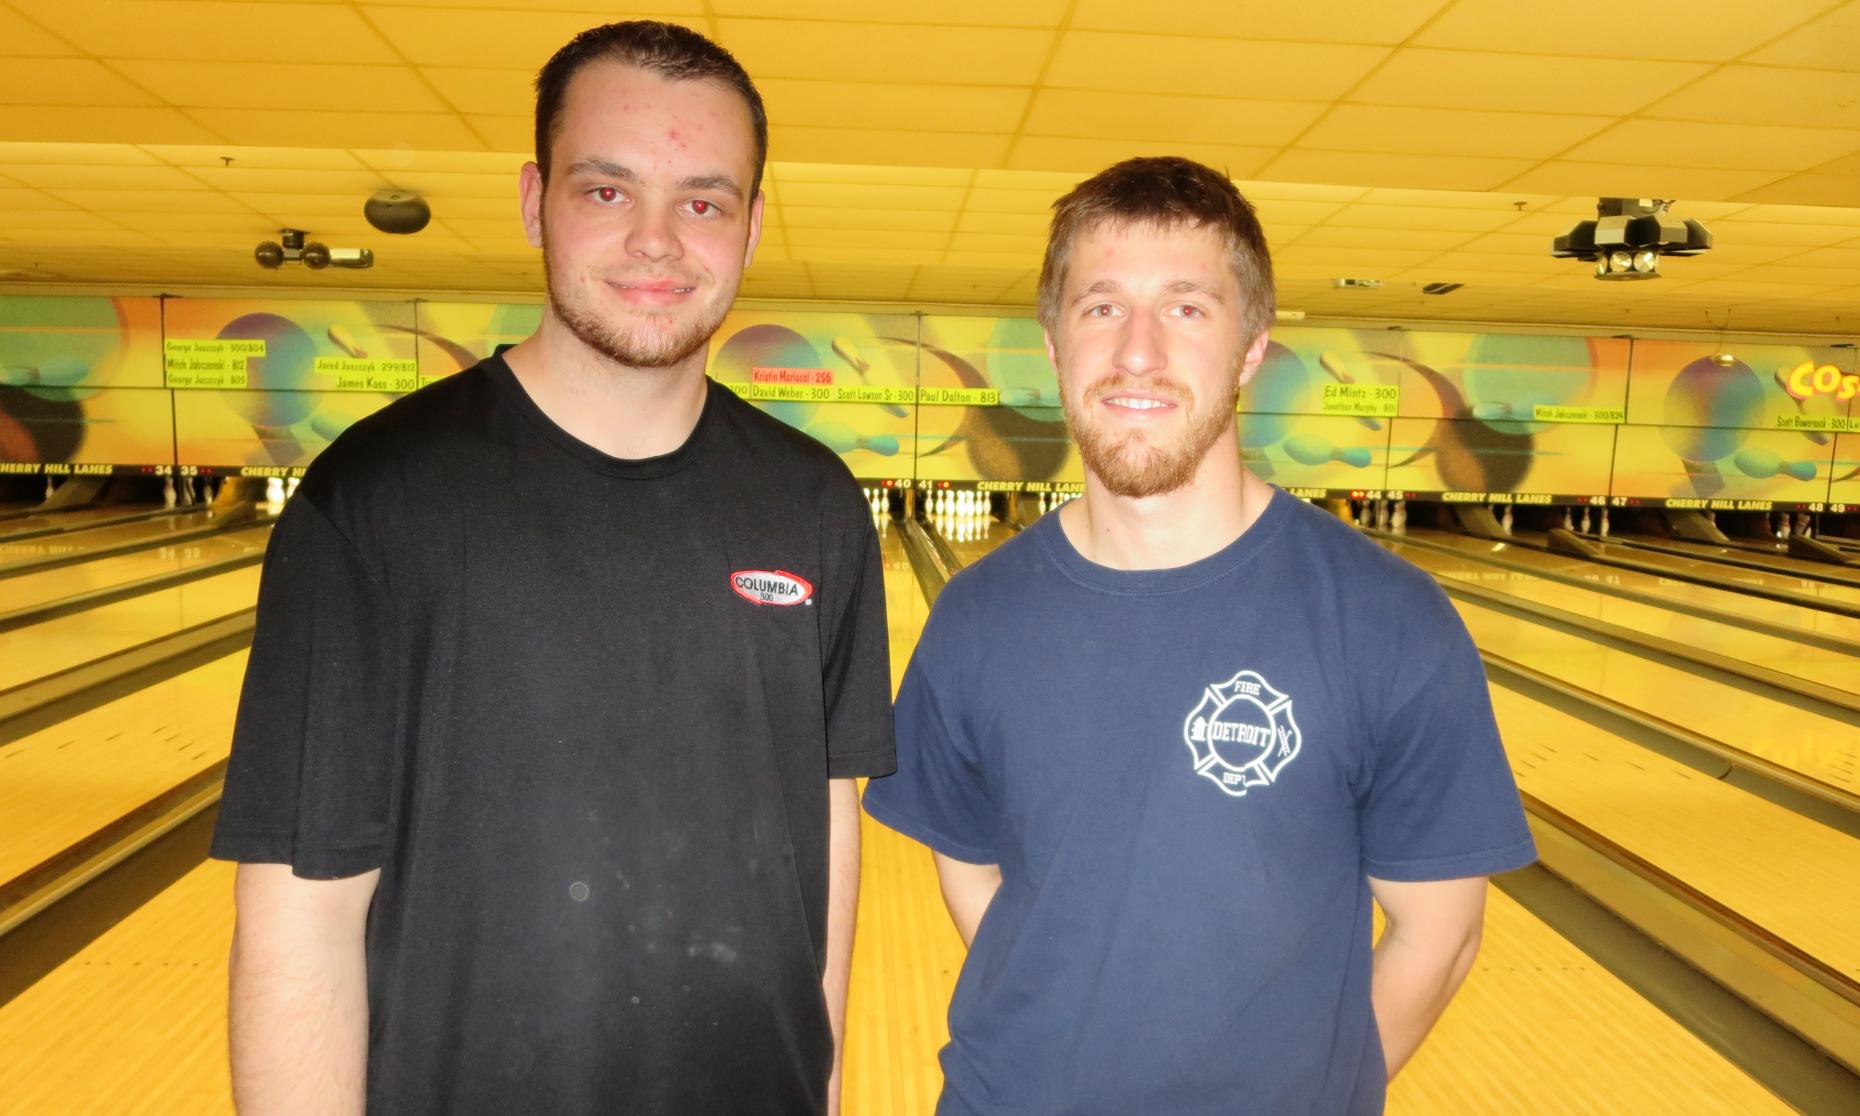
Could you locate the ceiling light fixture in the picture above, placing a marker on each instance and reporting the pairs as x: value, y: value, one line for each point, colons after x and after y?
x: 1628, y: 237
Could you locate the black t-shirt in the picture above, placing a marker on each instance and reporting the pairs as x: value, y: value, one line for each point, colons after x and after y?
x: 581, y: 712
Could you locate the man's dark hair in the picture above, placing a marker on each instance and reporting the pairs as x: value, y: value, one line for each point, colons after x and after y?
x: 1162, y: 191
x: 673, y: 52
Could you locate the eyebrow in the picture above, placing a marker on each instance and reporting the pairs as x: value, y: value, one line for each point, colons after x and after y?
x: 1178, y: 286
x: 607, y: 168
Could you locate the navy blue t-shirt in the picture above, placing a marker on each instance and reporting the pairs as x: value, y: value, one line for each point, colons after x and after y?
x: 1186, y: 776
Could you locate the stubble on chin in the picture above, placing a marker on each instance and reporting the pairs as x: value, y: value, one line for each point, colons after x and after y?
x: 1134, y: 465
x: 643, y: 345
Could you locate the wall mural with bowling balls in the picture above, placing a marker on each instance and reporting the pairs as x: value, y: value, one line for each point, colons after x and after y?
x: 1844, y: 483
x: 80, y: 380
x: 1315, y: 413
x: 270, y: 383
x: 456, y: 335
x: 1735, y: 421
x: 847, y: 380
x: 991, y: 409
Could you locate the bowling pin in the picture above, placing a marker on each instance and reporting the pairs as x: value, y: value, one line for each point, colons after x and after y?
x: 167, y: 492
x: 274, y: 490
x: 1506, y: 520
x: 1398, y: 522
x: 49, y: 488
x: 290, y: 488
x: 1782, y: 526
x: 1604, y: 523
x: 1584, y: 522
x: 1568, y: 523
x: 1803, y: 524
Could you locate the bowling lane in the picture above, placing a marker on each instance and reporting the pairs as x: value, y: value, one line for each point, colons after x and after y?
x: 1724, y: 600
x: 1791, y: 876
x: 75, y: 518
x: 67, y: 781
x: 149, y: 531
x: 972, y: 537
x: 1775, y: 555
x: 52, y: 645
x: 46, y: 586
x: 1736, y: 576
x: 1819, y: 664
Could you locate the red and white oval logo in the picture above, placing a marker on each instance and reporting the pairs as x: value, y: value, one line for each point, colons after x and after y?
x: 771, y: 587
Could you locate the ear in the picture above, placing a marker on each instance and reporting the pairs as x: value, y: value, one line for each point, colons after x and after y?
x: 755, y: 230
x: 1255, y: 353
x: 1052, y: 349
x: 530, y: 191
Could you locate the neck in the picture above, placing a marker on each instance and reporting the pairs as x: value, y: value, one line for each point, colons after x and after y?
x: 1162, y: 532
x: 621, y: 410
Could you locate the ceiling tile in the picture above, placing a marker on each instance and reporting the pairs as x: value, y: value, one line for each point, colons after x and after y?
x: 212, y: 32
x: 1332, y: 236
x: 881, y: 52
x: 508, y: 38
x: 975, y: 13
x: 1826, y: 43
x: 809, y: 242
x: 255, y: 158
x: 1446, y: 172
x: 990, y: 200
x: 461, y: 162
x: 849, y: 104
x: 1765, y: 95
x: 1809, y: 189
x: 1734, y: 147
x: 1521, y: 82
x: 58, y: 123
x: 102, y: 177
x: 1341, y: 21
x: 14, y: 200
x: 1701, y: 30
x: 868, y: 174
x: 1019, y: 224
x: 1367, y: 215
x: 1449, y: 131
x: 1629, y: 180
x: 1088, y: 156
x: 125, y: 202
x: 1210, y: 67
x: 835, y: 217
x: 494, y: 92
x: 340, y: 129
x: 67, y: 81
x: 934, y: 149
x: 319, y: 86
x: 1160, y: 118
x: 860, y: 196
x: 515, y: 134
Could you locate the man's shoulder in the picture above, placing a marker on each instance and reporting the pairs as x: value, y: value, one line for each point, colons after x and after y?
x: 768, y: 436
x: 422, y: 434
x: 1343, y: 557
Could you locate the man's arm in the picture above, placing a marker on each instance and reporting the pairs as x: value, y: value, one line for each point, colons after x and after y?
x: 1426, y: 950
x: 842, y: 912
x: 967, y: 891
x: 298, y: 1017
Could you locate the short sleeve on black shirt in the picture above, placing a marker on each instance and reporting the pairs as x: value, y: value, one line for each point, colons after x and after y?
x: 308, y: 781
x: 856, y: 666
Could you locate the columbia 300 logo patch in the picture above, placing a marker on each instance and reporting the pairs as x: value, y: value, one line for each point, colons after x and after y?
x: 772, y: 587
x: 1242, y: 734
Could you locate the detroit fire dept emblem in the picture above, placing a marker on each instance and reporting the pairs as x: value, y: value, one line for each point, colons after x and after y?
x: 1242, y: 734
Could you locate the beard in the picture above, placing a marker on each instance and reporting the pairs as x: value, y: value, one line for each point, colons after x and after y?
x: 649, y: 341
x: 1136, y: 465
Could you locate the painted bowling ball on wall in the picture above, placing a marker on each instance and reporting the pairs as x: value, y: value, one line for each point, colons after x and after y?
x: 36, y: 428
x: 280, y: 384
x: 1704, y: 404
x: 1268, y: 402
x: 51, y: 347
x: 1016, y: 364
x: 1508, y: 376
x: 766, y: 346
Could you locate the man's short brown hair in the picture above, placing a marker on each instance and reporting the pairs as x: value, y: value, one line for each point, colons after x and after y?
x: 673, y: 52
x: 1162, y: 191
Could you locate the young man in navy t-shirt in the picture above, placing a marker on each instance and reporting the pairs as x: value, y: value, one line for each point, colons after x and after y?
x: 1168, y: 743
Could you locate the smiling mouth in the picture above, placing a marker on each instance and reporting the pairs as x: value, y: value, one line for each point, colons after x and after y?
x: 1137, y: 403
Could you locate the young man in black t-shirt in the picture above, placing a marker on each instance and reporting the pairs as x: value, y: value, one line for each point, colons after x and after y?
x: 543, y: 773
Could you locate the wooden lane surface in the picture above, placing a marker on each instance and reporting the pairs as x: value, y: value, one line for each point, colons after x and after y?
x: 69, y: 519
x: 66, y: 641
x: 1724, y: 600
x: 1776, y: 555
x: 47, y: 586
x: 71, y: 779
x: 1789, y: 875
x: 77, y: 542
x: 135, y: 1022
x: 1818, y: 664
x: 1758, y: 724
x: 1735, y: 575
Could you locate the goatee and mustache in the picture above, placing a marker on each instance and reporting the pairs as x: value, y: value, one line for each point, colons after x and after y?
x: 642, y: 346
x: 1136, y: 464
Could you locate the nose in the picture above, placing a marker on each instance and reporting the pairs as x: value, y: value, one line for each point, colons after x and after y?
x: 653, y: 235
x: 1139, y: 345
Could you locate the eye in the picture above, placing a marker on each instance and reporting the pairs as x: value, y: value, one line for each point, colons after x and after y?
x: 702, y: 208
x: 1100, y: 310
x: 605, y: 194
x: 1191, y: 311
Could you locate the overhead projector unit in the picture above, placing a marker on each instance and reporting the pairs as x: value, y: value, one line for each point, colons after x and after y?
x: 1628, y: 237
x: 290, y: 247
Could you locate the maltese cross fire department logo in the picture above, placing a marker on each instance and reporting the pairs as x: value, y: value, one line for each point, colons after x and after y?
x: 1242, y: 734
